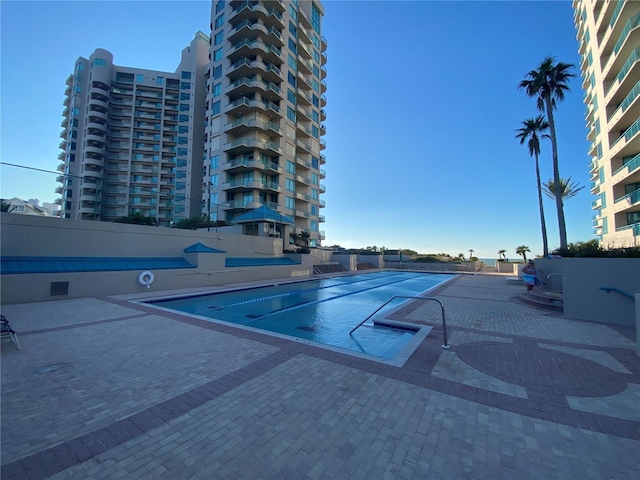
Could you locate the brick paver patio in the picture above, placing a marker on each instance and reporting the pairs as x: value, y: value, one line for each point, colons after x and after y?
x: 106, y: 388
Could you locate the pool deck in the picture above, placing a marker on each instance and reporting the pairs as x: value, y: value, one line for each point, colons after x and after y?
x: 106, y: 388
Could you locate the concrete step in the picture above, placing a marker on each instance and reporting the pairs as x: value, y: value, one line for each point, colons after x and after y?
x: 551, y: 301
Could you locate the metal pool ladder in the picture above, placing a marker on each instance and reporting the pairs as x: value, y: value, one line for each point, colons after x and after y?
x: 444, y: 324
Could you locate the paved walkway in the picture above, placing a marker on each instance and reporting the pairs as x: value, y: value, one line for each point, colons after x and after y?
x: 104, y: 388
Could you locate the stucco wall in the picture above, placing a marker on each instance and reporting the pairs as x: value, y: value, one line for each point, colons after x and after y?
x: 39, y: 236
x: 581, y: 282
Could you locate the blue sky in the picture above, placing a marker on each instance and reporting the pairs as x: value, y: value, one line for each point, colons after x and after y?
x: 422, y: 110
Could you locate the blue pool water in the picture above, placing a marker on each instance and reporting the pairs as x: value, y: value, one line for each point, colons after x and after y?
x: 321, y: 311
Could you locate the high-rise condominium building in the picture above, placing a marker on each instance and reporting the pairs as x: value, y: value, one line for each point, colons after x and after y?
x: 236, y: 127
x: 132, y: 139
x: 609, y: 38
x: 265, y: 108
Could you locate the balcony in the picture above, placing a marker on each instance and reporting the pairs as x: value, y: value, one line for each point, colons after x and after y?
x: 247, y: 47
x: 241, y: 146
x: 631, y: 166
x: 323, y: 144
x: 628, y: 75
x: 322, y: 203
x: 628, y: 110
x: 242, y: 126
x: 323, y: 159
x: 626, y: 202
x: 627, y: 141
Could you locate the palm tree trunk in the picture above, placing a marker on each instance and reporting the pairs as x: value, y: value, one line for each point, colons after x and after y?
x: 556, y: 174
x: 545, y: 246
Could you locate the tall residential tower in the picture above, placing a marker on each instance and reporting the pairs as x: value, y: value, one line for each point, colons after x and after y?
x: 609, y: 38
x: 132, y: 139
x: 265, y: 108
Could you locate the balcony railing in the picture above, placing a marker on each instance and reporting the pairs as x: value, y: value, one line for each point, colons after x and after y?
x: 631, y: 165
x: 632, y: 23
x: 632, y: 197
x: 633, y: 58
x: 628, y: 133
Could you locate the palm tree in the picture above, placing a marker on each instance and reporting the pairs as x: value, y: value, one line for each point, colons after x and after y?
x: 532, y: 129
x: 522, y: 250
x: 471, y: 250
x: 501, y: 254
x: 549, y: 83
x: 305, y: 236
x: 568, y: 189
x: 5, y: 206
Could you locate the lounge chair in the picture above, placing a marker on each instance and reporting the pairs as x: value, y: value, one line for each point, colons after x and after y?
x: 7, y: 332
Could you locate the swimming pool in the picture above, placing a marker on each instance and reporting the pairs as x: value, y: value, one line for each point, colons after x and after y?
x: 322, y: 311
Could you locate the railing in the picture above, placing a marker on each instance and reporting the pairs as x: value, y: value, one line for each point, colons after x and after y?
x: 549, y: 283
x: 444, y: 324
x: 617, y: 290
x: 631, y: 165
x: 628, y: 133
x: 632, y: 197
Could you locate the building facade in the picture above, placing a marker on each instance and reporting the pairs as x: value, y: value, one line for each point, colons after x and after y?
x: 609, y: 37
x: 132, y: 139
x: 265, y: 112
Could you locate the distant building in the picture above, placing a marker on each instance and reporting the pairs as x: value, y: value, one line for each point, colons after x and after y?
x: 132, y: 139
x: 31, y: 207
x: 609, y: 39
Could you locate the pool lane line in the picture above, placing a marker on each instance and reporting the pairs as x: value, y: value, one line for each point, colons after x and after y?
x: 315, y: 302
x: 297, y: 292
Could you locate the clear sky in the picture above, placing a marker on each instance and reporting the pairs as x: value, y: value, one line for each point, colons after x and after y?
x: 422, y: 110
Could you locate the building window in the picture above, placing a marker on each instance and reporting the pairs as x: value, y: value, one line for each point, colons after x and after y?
x: 214, y: 161
x: 290, y: 185
x: 314, y: 131
x: 181, y: 152
x: 219, y: 6
x: 314, y: 225
x: 217, y: 39
x: 217, y: 72
x: 293, y: 12
x: 77, y: 89
x: 80, y: 67
x: 316, y: 70
x: 182, y: 140
x: 217, y: 89
x: 315, y: 100
x: 215, y: 108
x: 291, y: 78
x: 290, y: 203
x: 184, y: 107
x: 214, y: 180
x: 139, y: 78
x: 315, y: 85
x: 291, y: 167
x: 291, y: 114
x: 315, y: 18
x: 99, y: 61
x: 315, y: 116
x: 291, y: 96
x: 314, y: 178
x: 75, y: 111
x: 186, y: 75
x: 293, y: 46
x: 217, y: 55
x: 314, y: 162
x: 314, y: 209
x: 314, y: 194
x: 185, y: 96
x: 293, y: 64
x: 183, y: 129
x: 160, y: 81
x: 183, y: 118
x: 315, y: 40
x: 219, y: 21
x: 185, y: 85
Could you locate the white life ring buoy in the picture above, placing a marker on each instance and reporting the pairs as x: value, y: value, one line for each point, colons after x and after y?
x: 146, y: 278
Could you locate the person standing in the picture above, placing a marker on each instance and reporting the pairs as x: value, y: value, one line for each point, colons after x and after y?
x: 529, y: 273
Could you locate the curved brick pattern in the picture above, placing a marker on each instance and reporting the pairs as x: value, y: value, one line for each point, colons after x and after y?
x: 542, y: 370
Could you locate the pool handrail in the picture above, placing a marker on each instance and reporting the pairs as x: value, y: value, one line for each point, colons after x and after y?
x: 617, y: 290
x: 444, y: 324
